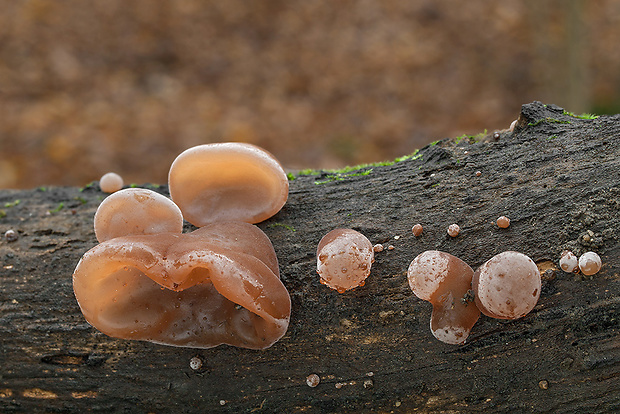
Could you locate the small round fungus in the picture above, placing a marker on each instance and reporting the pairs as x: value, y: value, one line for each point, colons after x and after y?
x: 590, y: 263
x: 377, y: 248
x: 227, y: 181
x: 10, y: 235
x: 453, y: 230
x: 445, y: 281
x: 507, y: 286
x: 503, y: 222
x: 313, y: 380
x: 343, y: 259
x: 417, y: 230
x: 569, y: 262
x: 136, y: 211
x: 111, y: 182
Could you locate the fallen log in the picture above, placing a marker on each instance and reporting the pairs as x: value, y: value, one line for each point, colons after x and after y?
x: 557, y: 177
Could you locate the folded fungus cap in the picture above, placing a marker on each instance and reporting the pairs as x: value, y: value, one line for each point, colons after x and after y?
x: 227, y: 182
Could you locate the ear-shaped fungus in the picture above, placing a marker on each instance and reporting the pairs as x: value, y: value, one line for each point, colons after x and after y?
x: 343, y: 259
x: 507, y: 286
x: 227, y: 181
x: 134, y: 211
x: 445, y: 281
x: 217, y: 285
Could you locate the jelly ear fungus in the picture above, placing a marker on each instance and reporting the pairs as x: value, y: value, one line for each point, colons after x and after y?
x: 445, y: 281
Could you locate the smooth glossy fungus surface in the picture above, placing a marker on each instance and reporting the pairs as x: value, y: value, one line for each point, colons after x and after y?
x: 507, y: 286
x: 590, y: 263
x: 135, y: 211
x: 217, y: 285
x: 343, y: 259
x: 227, y: 182
x: 569, y: 262
x: 110, y: 182
x: 445, y: 281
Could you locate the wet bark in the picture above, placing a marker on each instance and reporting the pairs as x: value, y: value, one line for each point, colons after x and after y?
x: 556, y: 177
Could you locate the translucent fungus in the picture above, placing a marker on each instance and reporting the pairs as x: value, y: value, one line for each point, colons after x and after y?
x: 445, y: 281
x: 503, y: 222
x: 343, y: 259
x: 589, y: 263
x: 110, y: 182
x: 136, y: 211
x: 569, y: 262
x: 478, y: 173
x: 377, y: 248
x: 417, y: 230
x: 507, y: 286
x: 227, y: 181
x: 217, y: 285
x: 453, y: 230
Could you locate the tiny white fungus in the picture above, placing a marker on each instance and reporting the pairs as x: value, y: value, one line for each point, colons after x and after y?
x: 313, y: 380
x: 195, y: 363
x: 10, y: 235
x: 569, y: 262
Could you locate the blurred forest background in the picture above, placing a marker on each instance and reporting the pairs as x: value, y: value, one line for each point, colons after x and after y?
x: 126, y: 85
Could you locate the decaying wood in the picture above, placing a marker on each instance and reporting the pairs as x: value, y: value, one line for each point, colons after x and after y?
x: 556, y: 177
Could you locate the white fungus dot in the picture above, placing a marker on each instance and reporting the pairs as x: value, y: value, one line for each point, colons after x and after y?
x: 111, y: 182
x: 454, y: 230
x: 10, y: 235
x: 378, y: 248
x: 313, y: 380
x: 195, y: 363
x: 589, y: 263
x: 569, y: 262
x: 222, y: 402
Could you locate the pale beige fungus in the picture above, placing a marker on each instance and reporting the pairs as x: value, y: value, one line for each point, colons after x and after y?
x: 507, y: 286
x: 134, y: 211
x: 445, y: 281
x: 343, y: 259
x: 569, y: 262
x: 227, y: 181
x: 111, y: 182
x: 590, y: 263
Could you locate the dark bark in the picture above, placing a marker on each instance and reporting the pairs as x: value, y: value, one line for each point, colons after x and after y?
x: 556, y: 177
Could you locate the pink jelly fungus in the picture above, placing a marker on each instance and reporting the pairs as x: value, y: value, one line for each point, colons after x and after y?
x: 445, y: 281
x: 227, y: 182
x: 569, y: 262
x: 110, y: 182
x: 343, y: 259
x: 507, y: 286
x: 217, y: 285
x: 134, y: 211
x: 589, y: 263
x: 453, y: 230
x: 417, y: 230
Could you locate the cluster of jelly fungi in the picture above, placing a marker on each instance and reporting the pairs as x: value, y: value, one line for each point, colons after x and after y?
x: 219, y: 284
x: 507, y: 286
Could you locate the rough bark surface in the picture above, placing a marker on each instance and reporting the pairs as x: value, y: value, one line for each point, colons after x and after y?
x: 557, y: 177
